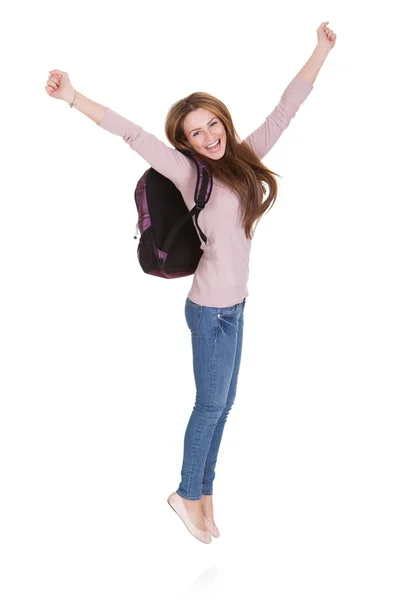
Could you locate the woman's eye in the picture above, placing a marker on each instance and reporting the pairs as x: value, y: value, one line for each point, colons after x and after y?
x: 214, y: 123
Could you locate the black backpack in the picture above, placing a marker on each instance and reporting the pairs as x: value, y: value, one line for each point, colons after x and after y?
x: 169, y: 244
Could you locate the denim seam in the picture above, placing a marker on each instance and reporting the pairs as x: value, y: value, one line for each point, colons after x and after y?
x: 236, y: 325
x: 202, y: 423
x: 214, y: 379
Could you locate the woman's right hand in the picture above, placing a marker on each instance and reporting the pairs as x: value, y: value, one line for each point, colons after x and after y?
x: 59, y: 86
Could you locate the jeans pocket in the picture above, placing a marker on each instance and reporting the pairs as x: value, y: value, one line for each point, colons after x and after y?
x: 227, y: 310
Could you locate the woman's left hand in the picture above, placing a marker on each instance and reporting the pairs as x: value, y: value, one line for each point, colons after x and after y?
x: 326, y: 37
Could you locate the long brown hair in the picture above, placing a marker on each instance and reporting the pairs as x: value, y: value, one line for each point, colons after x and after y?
x: 239, y: 168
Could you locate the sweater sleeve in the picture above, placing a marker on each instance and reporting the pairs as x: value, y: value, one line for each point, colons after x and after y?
x: 168, y: 161
x: 264, y: 137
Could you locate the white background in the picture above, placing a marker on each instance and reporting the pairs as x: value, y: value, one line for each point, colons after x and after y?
x: 96, y: 369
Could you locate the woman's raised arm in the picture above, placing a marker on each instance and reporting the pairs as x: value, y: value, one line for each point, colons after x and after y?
x: 60, y: 87
x: 168, y: 161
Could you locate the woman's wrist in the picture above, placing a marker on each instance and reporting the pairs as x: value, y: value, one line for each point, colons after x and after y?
x: 88, y: 107
x: 70, y: 96
x: 322, y: 49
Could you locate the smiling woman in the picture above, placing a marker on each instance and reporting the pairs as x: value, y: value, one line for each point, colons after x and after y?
x: 208, y: 139
x: 198, y: 121
x: 201, y: 124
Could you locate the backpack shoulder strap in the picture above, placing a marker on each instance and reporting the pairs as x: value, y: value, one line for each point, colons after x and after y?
x: 204, y: 182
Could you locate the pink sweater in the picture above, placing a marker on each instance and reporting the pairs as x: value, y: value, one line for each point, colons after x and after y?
x: 222, y: 274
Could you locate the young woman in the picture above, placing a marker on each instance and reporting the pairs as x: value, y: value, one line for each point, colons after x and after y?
x: 214, y: 307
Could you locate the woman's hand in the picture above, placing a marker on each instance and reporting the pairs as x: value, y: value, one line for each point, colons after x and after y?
x: 59, y: 86
x: 326, y: 37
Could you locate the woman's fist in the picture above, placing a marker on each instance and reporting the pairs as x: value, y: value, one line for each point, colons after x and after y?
x: 326, y: 37
x: 59, y: 86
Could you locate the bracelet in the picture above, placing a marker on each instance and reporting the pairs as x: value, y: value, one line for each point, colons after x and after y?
x: 73, y: 103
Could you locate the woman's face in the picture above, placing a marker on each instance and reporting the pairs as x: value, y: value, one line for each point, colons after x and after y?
x: 203, y: 128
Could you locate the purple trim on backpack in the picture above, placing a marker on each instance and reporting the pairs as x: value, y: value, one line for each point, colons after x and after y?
x: 161, y: 273
x: 143, y: 209
x: 201, y: 169
x: 161, y: 254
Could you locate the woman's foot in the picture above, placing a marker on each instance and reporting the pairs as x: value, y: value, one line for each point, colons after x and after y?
x: 189, y: 512
x: 208, y: 511
x: 207, y: 507
x: 195, y: 512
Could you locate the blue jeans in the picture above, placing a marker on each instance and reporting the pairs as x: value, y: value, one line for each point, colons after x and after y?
x: 217, y: 336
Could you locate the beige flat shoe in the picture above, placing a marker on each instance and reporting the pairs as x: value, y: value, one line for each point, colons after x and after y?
x: 213, y: 529
x: 176, y: 503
